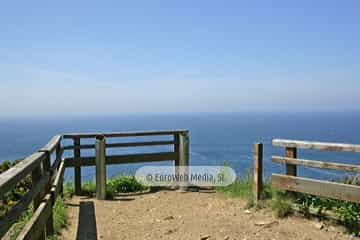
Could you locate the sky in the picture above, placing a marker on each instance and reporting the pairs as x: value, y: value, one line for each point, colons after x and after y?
x: 116, y: 57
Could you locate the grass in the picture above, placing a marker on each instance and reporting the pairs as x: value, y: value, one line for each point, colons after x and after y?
x: 20, y: 224
x: 59, y: 214
x: 118, y: 184
x: 12, y: 197
x: 348, y: 213
x: 282, y: 202
x: 243, y: 188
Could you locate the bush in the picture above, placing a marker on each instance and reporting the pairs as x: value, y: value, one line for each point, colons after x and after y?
x: 347, y: 212
x: 281, y: 205
x: 118, y: 184
x: 125, y: 184
x: 13, y: 196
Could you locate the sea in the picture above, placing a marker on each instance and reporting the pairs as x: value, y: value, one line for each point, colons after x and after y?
x: 215, y: 138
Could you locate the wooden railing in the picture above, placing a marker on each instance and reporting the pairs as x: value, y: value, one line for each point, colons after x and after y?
x: 47, y: 178
x: 47, y: 181
x: 291, y: 182
x: 179, y: 155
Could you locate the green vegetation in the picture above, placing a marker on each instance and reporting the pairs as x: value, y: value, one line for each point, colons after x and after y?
x: 243, y: 187
x: 282, y: 202
x: 12, y: 197
x: 19, y: 225
x: 118, y: 184
x: 348, y: 213
x: 60, y: 214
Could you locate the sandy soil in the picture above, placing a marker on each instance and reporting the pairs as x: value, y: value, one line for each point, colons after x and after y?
x: 191, y: 215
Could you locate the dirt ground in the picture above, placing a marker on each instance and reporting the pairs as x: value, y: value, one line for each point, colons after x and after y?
x: 191, y: 215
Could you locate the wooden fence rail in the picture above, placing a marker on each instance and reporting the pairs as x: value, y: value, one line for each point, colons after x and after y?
x: 291, y: 182
x: 78, y: 161
x: 47, y: 178
x: 43, y: 174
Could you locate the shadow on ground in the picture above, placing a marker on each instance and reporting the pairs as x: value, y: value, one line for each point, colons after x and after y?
x: 87, y: 222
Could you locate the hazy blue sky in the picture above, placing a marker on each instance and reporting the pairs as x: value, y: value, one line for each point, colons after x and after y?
x: 178, y: 56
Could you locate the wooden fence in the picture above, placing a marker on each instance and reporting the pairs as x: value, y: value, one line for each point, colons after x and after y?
x: 47, y: 177
x: 47, y: 181
x: 290, y: 181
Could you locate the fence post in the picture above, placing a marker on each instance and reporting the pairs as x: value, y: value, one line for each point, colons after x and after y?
x: 35, y: 177
x: 177, y: 153
x: 291, y: 168
x: 100, y: 168
x: 47, y: 171
x: 258, y: 170
x: 58, y: 158
x: 77, y: 168
x: 184, y: 152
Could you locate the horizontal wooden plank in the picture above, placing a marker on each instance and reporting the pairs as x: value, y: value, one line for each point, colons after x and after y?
x: 55, y: 165
x: 333, y: 190
x: 317, y: 164
x: 128, y: 144
x: 325, y: 146
x: 139, y: 144
x: 124, y: 134
x: 12, y: 176
x: 118, y: 159
x: 58, y: 180
x: 36, y: 225
x: 15, y: 212
x: 82, y: 146
x: 51, y: 145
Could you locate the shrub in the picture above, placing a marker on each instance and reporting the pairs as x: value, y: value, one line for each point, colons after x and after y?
x: 13, y: 196
x: 347, y: 212
x: 118, y: 184
x: 124, y: 184
x: 281, y: 205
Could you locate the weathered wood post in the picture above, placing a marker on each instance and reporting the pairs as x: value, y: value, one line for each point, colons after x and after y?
x: 177, y: 153
x: 58, y: 159
x: 36, y: 175
x: 100, y: 168
x: 77, y: 168
x: 258, y: 170
x: 291, y: 168
x: 47, y: 171
x: 184, y: 152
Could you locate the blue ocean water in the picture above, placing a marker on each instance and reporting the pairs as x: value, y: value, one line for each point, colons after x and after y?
x: 215, y: 139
